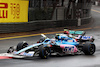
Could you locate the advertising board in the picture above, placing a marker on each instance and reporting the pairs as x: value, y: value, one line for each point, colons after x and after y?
x: 13, y: 11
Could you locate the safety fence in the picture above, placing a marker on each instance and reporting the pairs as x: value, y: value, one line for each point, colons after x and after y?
x: 37, y: 25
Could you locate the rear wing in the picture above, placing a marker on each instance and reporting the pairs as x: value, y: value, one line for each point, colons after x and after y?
x: 75, y: 32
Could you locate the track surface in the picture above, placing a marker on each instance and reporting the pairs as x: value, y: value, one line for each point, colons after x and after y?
x: 55, y: 61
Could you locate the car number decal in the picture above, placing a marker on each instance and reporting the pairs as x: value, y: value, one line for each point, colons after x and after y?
x: 68, y: 49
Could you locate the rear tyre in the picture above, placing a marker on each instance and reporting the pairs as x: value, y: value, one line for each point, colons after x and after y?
x: 21, y: 45
x: 89, y: 48
x: 44, y: 52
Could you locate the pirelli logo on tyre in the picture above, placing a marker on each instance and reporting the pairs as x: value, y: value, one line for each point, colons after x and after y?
x: 13, y: 11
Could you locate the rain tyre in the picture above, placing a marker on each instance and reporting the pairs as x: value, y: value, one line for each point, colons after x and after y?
x: 89, y: 48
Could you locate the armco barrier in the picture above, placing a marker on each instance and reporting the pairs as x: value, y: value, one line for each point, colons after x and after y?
x: 37, y: 25
x: 86, y: 20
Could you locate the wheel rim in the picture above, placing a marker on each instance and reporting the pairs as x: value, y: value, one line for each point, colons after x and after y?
x: 45, y: 53
x: 92, y: 49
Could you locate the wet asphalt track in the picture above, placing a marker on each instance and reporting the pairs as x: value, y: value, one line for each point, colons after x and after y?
x: 55, y: 61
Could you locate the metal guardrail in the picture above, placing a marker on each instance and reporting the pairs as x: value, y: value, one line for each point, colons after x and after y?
x: 37, y: 25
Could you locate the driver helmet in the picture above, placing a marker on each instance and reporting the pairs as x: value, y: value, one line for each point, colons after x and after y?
x: 66, y: 32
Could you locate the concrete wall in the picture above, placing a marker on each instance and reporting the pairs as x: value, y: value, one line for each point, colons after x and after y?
x: 37, y: 25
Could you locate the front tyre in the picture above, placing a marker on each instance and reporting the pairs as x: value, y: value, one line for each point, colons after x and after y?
x: 89, y: 48
x: 21, y: 45
x: 44, y: 52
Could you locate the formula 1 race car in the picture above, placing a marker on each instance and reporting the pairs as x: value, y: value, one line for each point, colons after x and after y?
x: 78, y: 35
x: 46, y: 46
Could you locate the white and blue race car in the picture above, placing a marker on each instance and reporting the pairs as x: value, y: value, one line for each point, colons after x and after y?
x: 46, y: 46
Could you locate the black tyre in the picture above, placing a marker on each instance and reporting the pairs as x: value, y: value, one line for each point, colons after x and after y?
x: 44, y: 52
x: 89, y: 48
x: 21, y: 45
